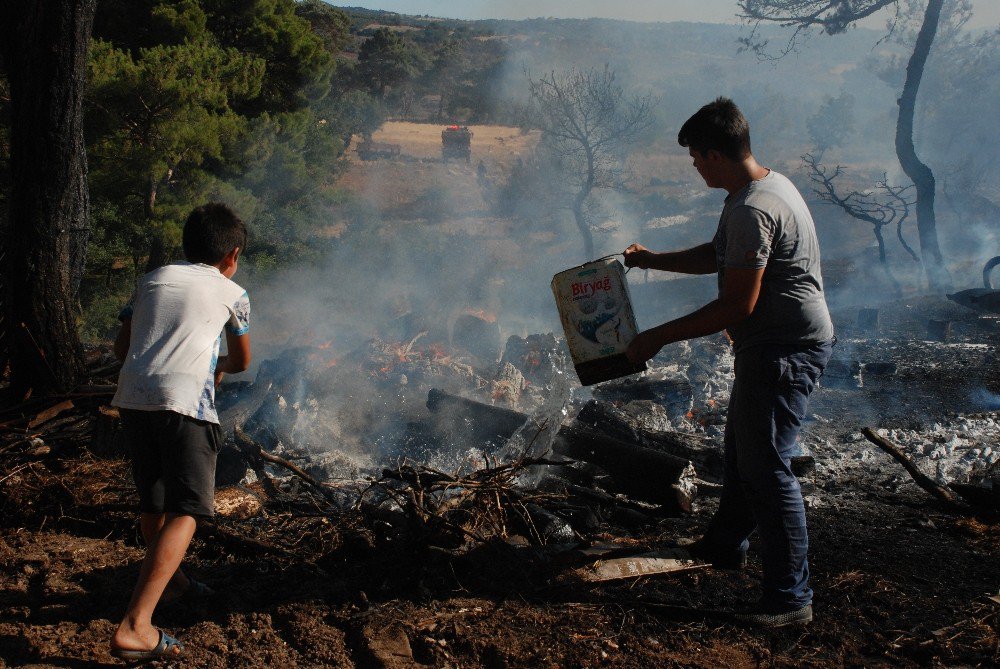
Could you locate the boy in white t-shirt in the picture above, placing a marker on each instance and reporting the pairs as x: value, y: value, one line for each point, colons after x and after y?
x: 169, y: 343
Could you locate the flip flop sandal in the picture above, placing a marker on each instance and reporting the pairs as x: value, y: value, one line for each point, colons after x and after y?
x: 164, y: 649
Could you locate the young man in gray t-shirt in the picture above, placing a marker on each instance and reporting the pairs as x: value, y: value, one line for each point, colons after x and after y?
x: 772, y: 305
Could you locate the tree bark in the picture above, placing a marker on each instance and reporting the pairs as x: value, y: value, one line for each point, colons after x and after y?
x: 579, y: 216
x: 915, y: 169
x: 45, y: 48
x: 157, y: 247
x: 583, y: 226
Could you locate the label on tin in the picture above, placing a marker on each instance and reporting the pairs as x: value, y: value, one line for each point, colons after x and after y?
x: 597, y: 318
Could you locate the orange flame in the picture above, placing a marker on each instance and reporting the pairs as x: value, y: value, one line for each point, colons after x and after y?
x: 483, y: 314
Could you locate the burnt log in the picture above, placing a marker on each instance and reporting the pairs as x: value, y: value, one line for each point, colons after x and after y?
x: 606, y: 418
x: 641, y: 473
x: 703, y: 453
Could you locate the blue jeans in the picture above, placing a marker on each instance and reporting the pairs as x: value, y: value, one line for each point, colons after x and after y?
x: 766, y: 408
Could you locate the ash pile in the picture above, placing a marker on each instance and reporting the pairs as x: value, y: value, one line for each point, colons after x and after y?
x: 920, y: 374
x: 443, y: 408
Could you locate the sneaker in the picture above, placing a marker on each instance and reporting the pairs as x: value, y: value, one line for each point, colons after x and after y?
x: 761, y: 616
x: 699, y: 550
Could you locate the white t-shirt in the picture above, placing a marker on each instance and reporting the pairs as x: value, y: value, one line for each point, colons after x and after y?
x: 178, y: 312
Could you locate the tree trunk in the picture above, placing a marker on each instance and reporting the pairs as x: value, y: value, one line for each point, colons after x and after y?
x: 579, y: 216
x: 45, y: 47
x: 157, y: 246
x: 915, y: 169
x: 584, y: 227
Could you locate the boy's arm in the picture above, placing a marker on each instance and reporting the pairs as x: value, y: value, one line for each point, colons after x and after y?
x: 238, y: 357
x: 698, y: 260
x: 123, y: 339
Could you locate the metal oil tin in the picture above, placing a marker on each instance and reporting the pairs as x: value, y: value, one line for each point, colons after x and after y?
x: 597, y: 318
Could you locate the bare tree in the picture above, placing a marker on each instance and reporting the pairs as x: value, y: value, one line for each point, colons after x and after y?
x: 587, y: 123
x: 44, y: 47
x: 835, y: 16
x: 883, y: 206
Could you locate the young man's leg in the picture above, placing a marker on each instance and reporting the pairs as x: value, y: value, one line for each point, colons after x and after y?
x: 163, y: 558
x: 765, y: 437
x: 726, y: 538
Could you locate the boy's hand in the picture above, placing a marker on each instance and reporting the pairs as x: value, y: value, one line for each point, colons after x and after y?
x: 219, y: 366
x: 638, y: 255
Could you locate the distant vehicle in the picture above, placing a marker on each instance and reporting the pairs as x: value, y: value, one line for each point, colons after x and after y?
x: 369, y: 150
x: 456, y: 142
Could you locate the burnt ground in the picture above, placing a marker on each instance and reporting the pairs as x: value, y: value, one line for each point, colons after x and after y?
x: 899, y: 581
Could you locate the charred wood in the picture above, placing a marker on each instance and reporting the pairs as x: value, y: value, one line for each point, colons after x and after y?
x: 706, y: 457
x: 941, y: 493
x: 987, y: 498
x: 642, y: 473
x: 255, y: 453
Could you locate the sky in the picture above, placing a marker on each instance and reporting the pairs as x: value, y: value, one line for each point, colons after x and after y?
x: 987, y: 12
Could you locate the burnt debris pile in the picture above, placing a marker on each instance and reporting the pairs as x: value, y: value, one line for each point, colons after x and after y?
x: 423, y: 422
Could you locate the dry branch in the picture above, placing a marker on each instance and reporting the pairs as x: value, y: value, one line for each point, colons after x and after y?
x: 250, y: 447
x: 941, y: 493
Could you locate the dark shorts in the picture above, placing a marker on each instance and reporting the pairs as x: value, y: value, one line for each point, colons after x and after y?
x: 173, y: 461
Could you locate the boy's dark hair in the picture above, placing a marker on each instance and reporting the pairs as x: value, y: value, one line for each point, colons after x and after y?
x: 719, y: 125
x: 211, y: 231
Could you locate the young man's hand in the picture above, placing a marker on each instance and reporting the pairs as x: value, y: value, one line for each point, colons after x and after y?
x: 643, y: 347
x: 639, y: 256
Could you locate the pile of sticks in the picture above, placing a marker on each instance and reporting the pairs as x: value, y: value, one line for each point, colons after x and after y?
x: 450, y: 510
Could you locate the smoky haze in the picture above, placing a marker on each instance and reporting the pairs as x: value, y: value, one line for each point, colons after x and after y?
x: 458, y: 254
x: 986, y: 12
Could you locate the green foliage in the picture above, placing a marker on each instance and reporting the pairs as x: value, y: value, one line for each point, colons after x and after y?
x: 298, y: 67
x: 386, y: 60
x: 246, y: 102
x: 833, y: 122
x: 331, y: 25
x: 155, y: 115
x: 140, y: 24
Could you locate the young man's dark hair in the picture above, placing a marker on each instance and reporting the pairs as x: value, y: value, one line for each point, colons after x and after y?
x: 719, y: 125
x: 211, y: 231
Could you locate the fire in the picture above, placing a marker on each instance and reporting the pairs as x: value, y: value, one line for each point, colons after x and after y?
x: 482, y: 314
x: 437, y: 352
x: 325, y: 345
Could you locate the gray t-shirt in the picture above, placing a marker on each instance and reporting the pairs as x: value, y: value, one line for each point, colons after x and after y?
x: 767, y: 224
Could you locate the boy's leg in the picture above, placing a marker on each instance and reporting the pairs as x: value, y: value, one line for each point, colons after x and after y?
x: 151, y: 524
x: 163, y: 558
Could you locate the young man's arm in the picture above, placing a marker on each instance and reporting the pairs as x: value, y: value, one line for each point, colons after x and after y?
x: 238, y: 357
x: 699, y: 260
x: 123, y: 340
x: 737, y: 299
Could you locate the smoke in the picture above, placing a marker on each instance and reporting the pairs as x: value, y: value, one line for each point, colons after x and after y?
x: 418, y: 242
x: 985, y: 400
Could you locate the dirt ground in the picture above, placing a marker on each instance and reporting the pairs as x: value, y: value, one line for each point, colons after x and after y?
x: 898, y: 583
x: 423, y: 140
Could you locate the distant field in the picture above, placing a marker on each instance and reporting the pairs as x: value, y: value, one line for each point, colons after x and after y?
x: 497, y: 143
